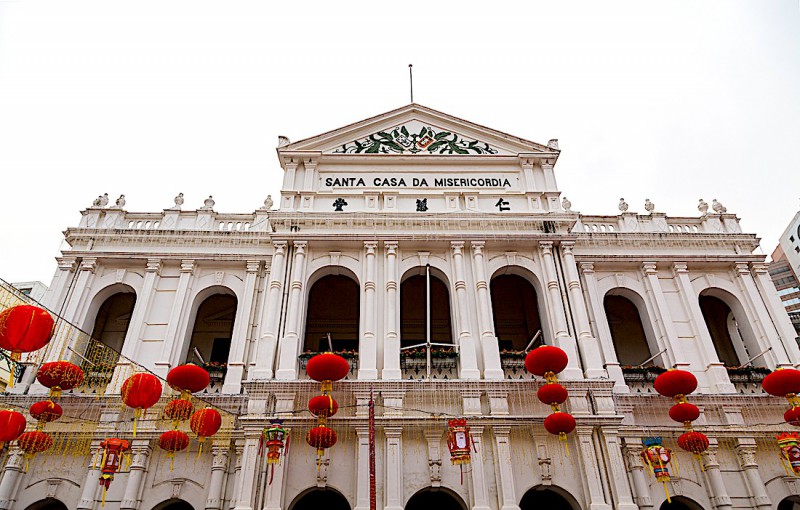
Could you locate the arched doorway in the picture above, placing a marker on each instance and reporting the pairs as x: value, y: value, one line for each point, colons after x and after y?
x: 413, y: 304
x: 790, y: 503
x: 515, y: 309
x: 48, y: 504
x: 316, y: 498
x: 333, y: 307
x: 627, y: 331
x: 173, y: 504
x: 549, y: 497
x: 435, y: 498
x: 108, y: 335
x: 730, y: 332
x: 680, y: 503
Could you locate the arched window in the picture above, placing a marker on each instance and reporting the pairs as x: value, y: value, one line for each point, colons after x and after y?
x: 412, y: 311
x: 723, y: 328
x: 627, y: 331
x: 790, y: 503
x: 515, y: 309
x: 173, y: 504
x: 440, y: 499
x: 316, y: 498
x: 213, y: 330
x: 549, y: 497
x: 108, y: 335
x: 680, y: 503
x: 333, y: 307
x: 48, y: 504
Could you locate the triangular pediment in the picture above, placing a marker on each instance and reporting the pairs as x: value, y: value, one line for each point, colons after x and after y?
x: 416, y: 130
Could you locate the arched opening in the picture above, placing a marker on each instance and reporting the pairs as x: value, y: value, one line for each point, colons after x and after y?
x: 734, y: 345
x: 212, y: 333
x: 515, y: 309
x: 627, y: 331
x: 790, y: 503
x: 549, y: 497
x: 438, y: 498
x: 108, y: 335
x: 413, y: 304
x: 48, y: 504
x: 173, y: 504
x: 333, y: 307
x: 316, y: 498
x: 681, y: 503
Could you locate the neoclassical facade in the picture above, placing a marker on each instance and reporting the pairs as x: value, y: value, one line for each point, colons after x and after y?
x: 406, y: 227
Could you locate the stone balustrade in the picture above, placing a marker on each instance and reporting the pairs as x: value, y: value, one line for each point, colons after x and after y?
x: 169, y: 219
x: 658, y: 223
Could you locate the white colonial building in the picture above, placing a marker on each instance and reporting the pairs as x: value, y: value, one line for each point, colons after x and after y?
x: 367, y: 213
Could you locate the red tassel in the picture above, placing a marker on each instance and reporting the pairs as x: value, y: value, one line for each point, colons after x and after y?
x: 271, y: 473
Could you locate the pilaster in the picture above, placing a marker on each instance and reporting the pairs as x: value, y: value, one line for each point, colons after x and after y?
x: 480, y: 490
x: 391, y: 337
x: 492, y: 367
x: 289, y: 346
x: 178, y: 315
x: 505, y: 472
x: 268, y: 341
x: 394, y: 468
x: 219, y: 466
x: 367, y: 346
x: 557, y: 315
x: 746, y: 453
x: 241, y: 326
x: 715, y: 485
x: 641, y: 488
x: 466, y: 346
x: 587, y: 343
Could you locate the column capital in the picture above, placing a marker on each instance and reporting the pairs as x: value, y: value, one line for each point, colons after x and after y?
x: 477, y: 247
x: 392, y: 432
x: 300, y: 246
x: 253, y: 266
x: 67, y: 263
x: 741, y: 268
x: 457, y: 247
x: 188, y: 266
x: 586, y: 267
x: 680, y: 268
x: 89, y: 264
x: 501, y: 430
x: 747, y: 456
x: 546, y: 247
x: 568, y: 246
x: 759, y: 268
x: 153, y: 266
x: 649, y: 268
x: 279, y: 246
x: 370, y: 246
x: 391, y: 247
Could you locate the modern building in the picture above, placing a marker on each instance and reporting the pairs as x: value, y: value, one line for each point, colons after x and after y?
x: 372, y: 219
x: 787, y: 285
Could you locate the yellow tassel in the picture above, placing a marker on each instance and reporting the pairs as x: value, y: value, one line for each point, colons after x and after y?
x: 105, y: 456
x: 103, y: 502
x: 666, y: 491
x: 171, y: 461
x: 136, y: 414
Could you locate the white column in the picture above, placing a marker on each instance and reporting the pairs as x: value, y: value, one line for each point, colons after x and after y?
x: 715, y: 370
x: 588, y: 457
x: 466, y: 346
x: 558, y: 319
x: 716, y: 487
x: 57, y: 350
x: 775, y: 309
x: 92, y: 482
x: 492, y: 368
x: 178, y: 314
x: 241, y: 327
x: 367, y: 345
x: 620, y: 489
x: 641, y: 487
x: 759, y: 318
x: 587, y: 343
x: 80, y: 290
x: 669, y: 339
x: 268, y: 342
x: 479, y: 489
x: 508, y: 496
x: 57, y: 292
x: 218, y: 468
x: 289, y: 348
x: 245, y: 481
x: 394, y: 468
x: 130, y: 347
x: 11, y: 477
x: 135, y: 484
x: 746, y: 451
x: 362, y: 468
x: 391, y: 337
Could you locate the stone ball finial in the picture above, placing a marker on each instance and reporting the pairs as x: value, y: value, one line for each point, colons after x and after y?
x: 208, y: 204
x: 702, y: 206
x: 623, y: 205
x: 178, y: 202
x: 649, y: 206
x: 718, y: 207
x: 566, y: 204
x: 268, y: 203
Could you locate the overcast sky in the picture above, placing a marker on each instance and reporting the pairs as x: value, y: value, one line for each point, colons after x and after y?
x: 670, y: 101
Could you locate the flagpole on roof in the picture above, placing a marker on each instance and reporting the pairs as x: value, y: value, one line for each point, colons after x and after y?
x: 411, y: 80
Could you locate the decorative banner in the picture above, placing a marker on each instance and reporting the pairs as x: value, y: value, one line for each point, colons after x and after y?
x: 657, y: 458
x: 789, y: 443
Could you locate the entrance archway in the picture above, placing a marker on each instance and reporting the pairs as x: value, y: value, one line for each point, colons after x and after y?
x: 48, y: 504
x: 333, y: 307
x: 173, y: 504
x: 790, y: 503
x: 549, y: 497
x: 316, y: 498
x: 435, y: 498
x: 682, y: 503
x: 515, y: 310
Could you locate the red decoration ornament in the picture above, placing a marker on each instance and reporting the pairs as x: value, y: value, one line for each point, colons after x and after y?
x: 113, y: 450
x: 676, y: 384
x: 140, y: 391
x: 45, y: 411
x: 459, y: 442
x: 34, y: 442
x: 784, y: 382
x: 327, y: 367
x: 694, y: 442
x: 205, y: 423
x: 12, y: 424
x: 273, y: 438
x: 178, y: 410
x: 792, y: 416
x: 657, y: 458
x: 552, y: 394
x: 321, y: 438
x: 188, y: 379
x: 560, y: 424
x: 546, y: 361
x: 684, y: 412
x: 173, y: 441
x: 25, y: 328
x: 323, y: 406
x: 59, y: 376
x: 789, y: 443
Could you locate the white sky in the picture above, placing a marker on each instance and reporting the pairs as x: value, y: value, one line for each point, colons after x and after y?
x: 670, y: 101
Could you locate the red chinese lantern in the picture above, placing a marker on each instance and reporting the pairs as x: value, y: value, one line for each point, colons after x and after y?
x: 178, y: 410
x: 59, y: 376
x: 552, y: 394
x: 24, y: 328
x: 173, y: 441
x: 34, y: 442
x: 12, y: 424
x: 188, y: 379
x: 684, y: 413
x: 205, y: 423
x: 693, y: 442
x: 326, y: 368
x: 141, y: 391
x: 560, y: 424
x: 45, y: 411
x: 321, y: 438
x: 792, y: 416
x: 546, y: 361
x: 113, y: 451
x: 784, y: 382
x: 676, y: 384
x: 657, y: 458
x: 459, y: 441
x: 323, y: 406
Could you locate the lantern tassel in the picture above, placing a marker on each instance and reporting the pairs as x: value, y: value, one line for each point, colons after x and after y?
x: 271, y: 473
x: 200, y: 450
x: 171, y: 461
x: 103, y: 500
x: 666, y: 491
x: 461, y: 468
x: 136, y: 414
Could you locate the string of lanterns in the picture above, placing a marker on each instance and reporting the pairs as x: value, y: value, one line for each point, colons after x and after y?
x: 785, y: 382
x: 547, y: 361
x: 324, y: 368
